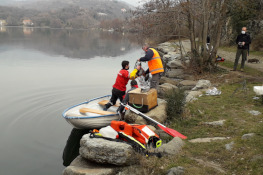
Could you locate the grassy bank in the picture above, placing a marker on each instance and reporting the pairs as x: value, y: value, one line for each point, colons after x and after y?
x: 234, y: 49
x: 245, y: 157
x: 248, y: 70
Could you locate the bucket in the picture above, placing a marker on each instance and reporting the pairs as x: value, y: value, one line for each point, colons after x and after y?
x: 108, y: 132
x: 258, y: 90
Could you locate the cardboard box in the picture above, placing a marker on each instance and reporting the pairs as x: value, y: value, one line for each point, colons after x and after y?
x: 143, y: 101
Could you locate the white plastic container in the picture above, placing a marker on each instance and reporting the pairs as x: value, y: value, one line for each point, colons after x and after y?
x: 258, y: 90
x: 109, y: 132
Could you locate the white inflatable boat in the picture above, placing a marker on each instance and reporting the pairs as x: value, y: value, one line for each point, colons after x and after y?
x: 90, y: 114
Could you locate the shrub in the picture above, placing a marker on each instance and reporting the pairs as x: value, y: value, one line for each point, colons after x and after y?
x: 257, y: 44
x: 175, y: 103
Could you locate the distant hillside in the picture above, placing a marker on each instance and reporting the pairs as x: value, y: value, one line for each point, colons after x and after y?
x: 111, y: 7
x: 64, y: 13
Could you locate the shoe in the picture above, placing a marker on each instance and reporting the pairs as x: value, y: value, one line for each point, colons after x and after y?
x: 121, y: 114
x: 242, y: 70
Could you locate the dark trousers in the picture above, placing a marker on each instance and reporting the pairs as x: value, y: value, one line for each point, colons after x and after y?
x: 116, y: 94
x: 155, y: 80
x: 240, y: 52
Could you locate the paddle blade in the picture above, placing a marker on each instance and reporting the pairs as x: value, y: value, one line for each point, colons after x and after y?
x: 172, y: 132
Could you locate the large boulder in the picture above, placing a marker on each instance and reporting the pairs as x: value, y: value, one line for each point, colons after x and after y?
x: 191, y: 96
x: 106, y: 152
x: 175, y: 73
x: 168, y: 80
x: 158, y: 113
x: 174, y: 55
x: 175, y: 64
x: 166, y: 49
x: 163, y: 88
x: 171, y: 148
x: 81, y: 166
x: 167, y: 58
x: 165, y: 44
x: 202, y: 84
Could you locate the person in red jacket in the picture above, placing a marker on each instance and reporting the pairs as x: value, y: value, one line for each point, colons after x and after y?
x: 119, y: 88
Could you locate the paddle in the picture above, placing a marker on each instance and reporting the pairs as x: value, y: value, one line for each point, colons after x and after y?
x: 169, y: 131
x: 84, y: 110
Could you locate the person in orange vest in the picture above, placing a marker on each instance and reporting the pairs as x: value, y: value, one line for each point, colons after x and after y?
x: 154, y: 63
x: 119, y: 87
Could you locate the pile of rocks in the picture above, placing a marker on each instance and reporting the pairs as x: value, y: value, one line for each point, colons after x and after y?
x: 176, y: 75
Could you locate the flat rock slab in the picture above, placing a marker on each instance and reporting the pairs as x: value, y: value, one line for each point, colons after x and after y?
x: 175, y: 73
x: 248, y: 136
x: 81, y: 166
x: 215, y: 123
x: 176, y: 171
x: 168, y: 80
x: 205, y: 140
x: 211, y: 164
x: 188, y: 83
x: 255, y: 112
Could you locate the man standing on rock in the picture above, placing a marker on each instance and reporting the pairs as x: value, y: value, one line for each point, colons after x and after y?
x: 154, y: 63
x: 243, y: 40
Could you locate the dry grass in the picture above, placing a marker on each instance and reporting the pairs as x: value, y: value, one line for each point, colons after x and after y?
x: 246, y: 156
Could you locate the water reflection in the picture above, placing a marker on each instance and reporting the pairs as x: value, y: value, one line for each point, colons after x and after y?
x: 81, y: 44
x: 38, y: 83
x: 2, y: 29
x: 71, y: 150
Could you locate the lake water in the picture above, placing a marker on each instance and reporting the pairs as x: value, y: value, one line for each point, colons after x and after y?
x: 42, y: 72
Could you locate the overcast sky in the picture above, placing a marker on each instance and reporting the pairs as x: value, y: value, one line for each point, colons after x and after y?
x: 132, y: 2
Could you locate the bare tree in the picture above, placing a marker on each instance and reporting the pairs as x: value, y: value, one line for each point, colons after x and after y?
x: 163, y: 19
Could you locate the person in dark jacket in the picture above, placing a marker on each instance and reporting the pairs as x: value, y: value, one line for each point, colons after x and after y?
x: 243, y: 40
x: 119, y: 87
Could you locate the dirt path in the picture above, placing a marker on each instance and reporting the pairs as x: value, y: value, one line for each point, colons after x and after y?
x: 230, y: 56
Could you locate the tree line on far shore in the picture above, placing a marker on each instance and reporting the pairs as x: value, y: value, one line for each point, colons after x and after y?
x: 82, y: 14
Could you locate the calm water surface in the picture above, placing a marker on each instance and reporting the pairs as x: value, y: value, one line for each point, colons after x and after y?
x: 42, y: 72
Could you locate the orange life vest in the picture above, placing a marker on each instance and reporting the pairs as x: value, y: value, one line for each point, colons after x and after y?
x: 142, y: 133
x: 155, y: 64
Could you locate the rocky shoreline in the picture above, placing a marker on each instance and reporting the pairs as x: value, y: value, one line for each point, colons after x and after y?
x: 103, y: 157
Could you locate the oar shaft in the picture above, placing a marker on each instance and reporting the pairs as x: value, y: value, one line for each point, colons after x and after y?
x: 169, y: 131
x: 141, y: 114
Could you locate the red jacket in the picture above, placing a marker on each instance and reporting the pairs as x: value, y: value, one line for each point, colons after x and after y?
x: 122, y: 80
